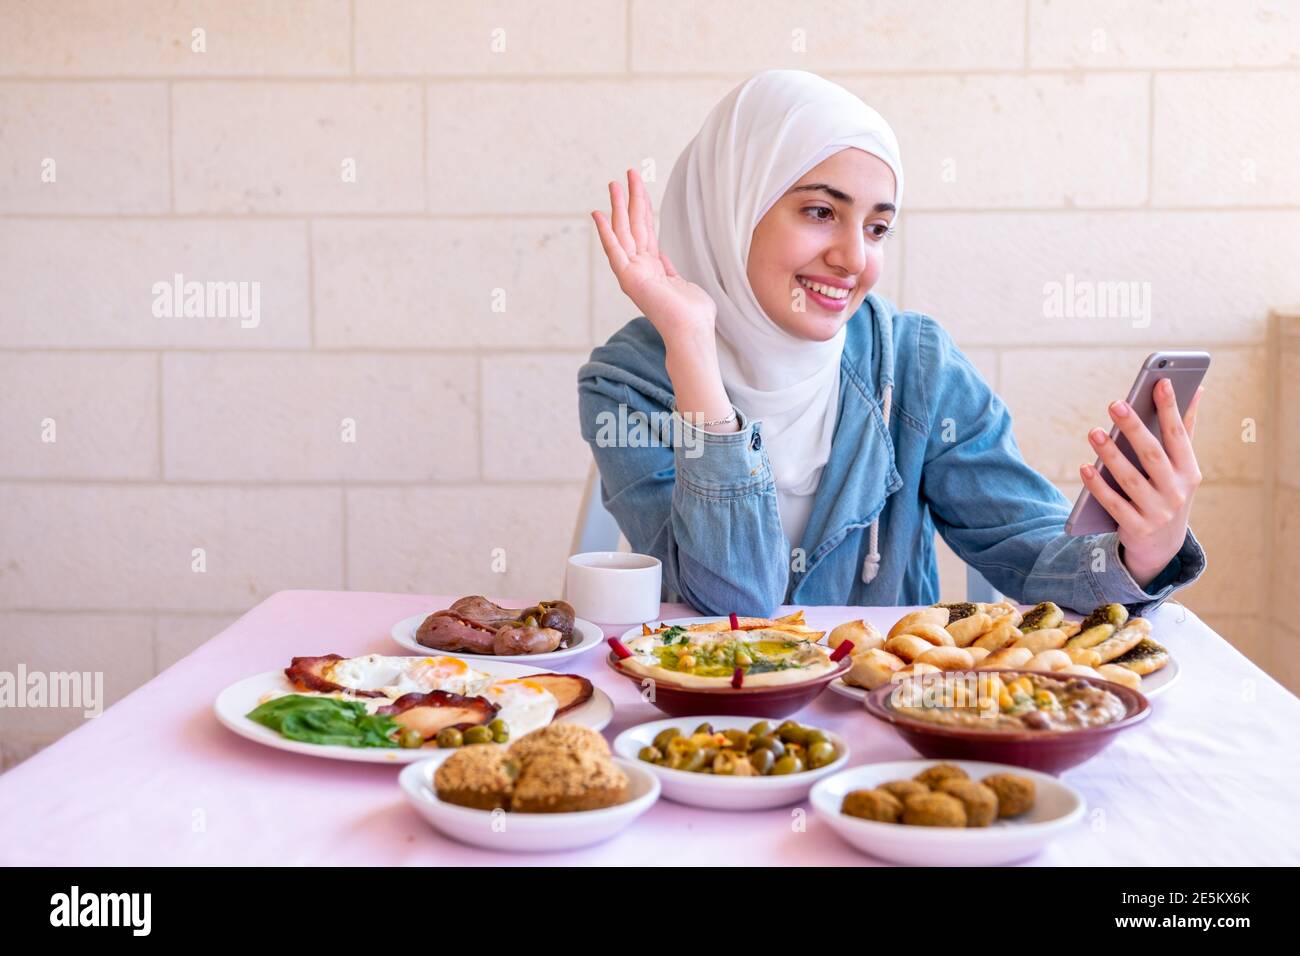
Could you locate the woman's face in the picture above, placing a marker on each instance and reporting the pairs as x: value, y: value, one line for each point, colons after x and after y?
x: 827, y: 230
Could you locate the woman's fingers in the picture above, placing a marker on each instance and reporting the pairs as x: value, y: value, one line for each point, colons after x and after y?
x: 618, y: 218
x: 1178, y: 445
x: 1154, y: 461
x: 613, y: 250
x: 652, y: 237
x: 1189, y: 418
x: 669, y: 268
x: 1124, y: 514
x: 636, y: 209
x: 1140, y: 491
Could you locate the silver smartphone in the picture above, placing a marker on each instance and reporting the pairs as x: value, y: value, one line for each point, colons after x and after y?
x: 1185, y: 370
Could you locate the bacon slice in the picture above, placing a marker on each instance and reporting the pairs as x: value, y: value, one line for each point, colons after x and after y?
x: 439, y: 709
x: 307, y: 673
x: 569, y: 690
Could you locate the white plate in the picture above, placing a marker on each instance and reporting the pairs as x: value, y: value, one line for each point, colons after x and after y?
x: 1153, y: 685
x: 725, y: 793
x: 848, y: 690
x: 1156, y: 684
x: 592, y: 636
x: 499, y: 830
x: 238, y: 699
x: 1057, y: 807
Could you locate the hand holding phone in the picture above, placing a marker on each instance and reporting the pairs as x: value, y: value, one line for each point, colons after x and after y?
x: 1146, y: 471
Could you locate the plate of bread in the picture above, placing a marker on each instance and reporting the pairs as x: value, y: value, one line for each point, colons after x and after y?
x: 1106, y: 644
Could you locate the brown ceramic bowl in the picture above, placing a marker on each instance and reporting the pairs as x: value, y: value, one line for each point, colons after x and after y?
x: 1051, y: 751
x: 767, y: 702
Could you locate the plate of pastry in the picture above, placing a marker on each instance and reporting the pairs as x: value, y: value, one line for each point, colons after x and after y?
x: 1106, y: 644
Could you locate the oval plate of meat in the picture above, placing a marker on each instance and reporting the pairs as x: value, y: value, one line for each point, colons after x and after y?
x: 279, y: 708
x: 474, y: 627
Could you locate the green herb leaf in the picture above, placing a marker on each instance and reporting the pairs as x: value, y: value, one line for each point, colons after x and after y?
x: 325, y: 720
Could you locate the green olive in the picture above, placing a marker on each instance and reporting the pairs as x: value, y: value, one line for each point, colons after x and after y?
x: 820, y: 754
x: 791, y: 732
x: 762, y: 760
x: 478, y: 735
x: 787, y: 764
x: 502, y: 737
x: 679, y: 757
x: 761, y: 729
x: 410, y: 738
x: 738, y: 739
x: 695, y: 761
x: 498, y: 726
x: 815, y: 736
x: 662, y: 738
x: 772, y: 744
x: 649, y: 754
x: 450, y: 737
x: 704, y: 728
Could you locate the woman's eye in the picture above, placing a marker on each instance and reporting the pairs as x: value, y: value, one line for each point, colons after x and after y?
x: 817, y: 209
x: 880, y: 230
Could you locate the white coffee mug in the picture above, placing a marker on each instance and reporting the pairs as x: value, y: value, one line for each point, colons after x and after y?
x: 614, y: 587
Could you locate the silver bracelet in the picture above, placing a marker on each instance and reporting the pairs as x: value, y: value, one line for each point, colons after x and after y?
x: 717, y: 421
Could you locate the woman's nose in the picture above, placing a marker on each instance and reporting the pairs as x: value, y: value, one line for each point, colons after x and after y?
x: 849, y: 252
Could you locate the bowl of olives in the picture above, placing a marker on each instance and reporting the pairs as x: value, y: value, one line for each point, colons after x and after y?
x: 734, y: 763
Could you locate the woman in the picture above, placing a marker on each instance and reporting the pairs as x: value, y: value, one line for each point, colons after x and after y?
x: 818, y: 435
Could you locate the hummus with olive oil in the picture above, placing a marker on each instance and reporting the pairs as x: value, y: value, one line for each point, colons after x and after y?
x: 705, y: 659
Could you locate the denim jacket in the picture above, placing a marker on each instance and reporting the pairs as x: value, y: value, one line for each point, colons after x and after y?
x: 706, y: 505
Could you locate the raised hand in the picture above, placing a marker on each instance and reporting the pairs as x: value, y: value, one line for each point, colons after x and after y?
x: 681, y: 311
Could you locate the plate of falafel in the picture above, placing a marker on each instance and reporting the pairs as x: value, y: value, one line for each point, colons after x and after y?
x: 956, y: 813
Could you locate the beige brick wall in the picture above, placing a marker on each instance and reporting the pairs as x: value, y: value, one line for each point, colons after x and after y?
x: 392, y: 172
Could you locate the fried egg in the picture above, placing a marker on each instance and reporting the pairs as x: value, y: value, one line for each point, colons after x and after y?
x: 395, y: 676
x: 525, y: 705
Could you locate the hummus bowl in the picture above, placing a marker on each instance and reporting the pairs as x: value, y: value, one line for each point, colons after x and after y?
x: 750, y: 667
x: 776, y: 700
x: 1056, y: 747
x: 781, y: 700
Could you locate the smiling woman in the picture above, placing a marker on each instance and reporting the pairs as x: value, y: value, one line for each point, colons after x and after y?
x: 833, y: 434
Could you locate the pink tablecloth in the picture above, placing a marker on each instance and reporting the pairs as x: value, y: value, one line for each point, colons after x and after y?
x: 1211, y: 778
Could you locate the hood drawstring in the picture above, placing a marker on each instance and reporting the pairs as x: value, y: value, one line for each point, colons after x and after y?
x: 871, y: 566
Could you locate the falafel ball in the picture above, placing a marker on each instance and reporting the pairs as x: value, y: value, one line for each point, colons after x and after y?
x: 934, y: 810
x: 933, y: 776
x: 1015, y: 793
x: 902, y: 789
x: 981, y: 802
x: 878, y: 805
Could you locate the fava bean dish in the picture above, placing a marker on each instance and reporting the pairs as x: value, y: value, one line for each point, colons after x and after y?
x: 1007, y: 702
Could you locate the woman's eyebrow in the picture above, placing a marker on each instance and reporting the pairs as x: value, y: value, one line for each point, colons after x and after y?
x: 840, y: 195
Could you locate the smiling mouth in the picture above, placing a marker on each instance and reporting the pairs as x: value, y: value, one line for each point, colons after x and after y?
x: 829, y: 291
x: 828, y: 298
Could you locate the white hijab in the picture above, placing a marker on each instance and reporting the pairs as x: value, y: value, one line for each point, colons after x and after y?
x: 755, y: 144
